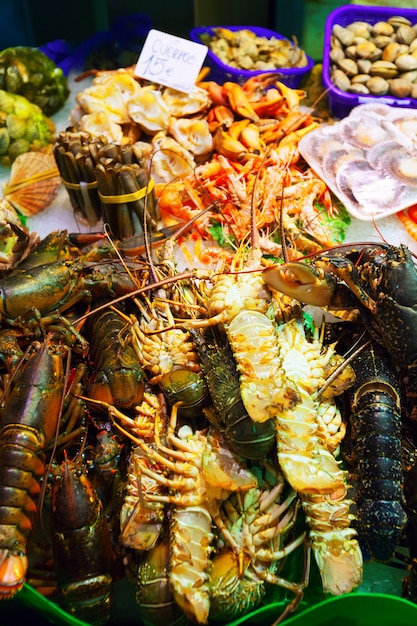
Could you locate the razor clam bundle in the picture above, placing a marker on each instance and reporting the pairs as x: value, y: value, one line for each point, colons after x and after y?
x: 106, y: 181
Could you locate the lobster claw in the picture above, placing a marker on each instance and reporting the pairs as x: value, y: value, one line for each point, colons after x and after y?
x: 303, y: 282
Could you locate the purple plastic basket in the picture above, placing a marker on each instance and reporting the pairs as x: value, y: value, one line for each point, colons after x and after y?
x: 341, y: 102
x: 222, y: 73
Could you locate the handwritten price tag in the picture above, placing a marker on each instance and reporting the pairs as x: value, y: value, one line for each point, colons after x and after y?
x: 170, y: 61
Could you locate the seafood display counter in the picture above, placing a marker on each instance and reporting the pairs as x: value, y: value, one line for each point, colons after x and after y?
x: 377, y: 595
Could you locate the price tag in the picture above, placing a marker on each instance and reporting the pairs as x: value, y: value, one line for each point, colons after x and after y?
x: 170, y: 61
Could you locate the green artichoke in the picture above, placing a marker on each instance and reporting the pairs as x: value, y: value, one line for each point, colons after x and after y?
x: 30, y: 73
x: 23, y: 127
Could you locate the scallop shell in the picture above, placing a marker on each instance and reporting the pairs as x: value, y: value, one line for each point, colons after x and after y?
x: 363, y: 132
x: 371, y: 109
x: 335, y: 159
x: 407, y: 126
x: 33, y: 183
x: 402, y: 166
x: 378, y: 153
x: 347, y: 173
x: 367, y: 189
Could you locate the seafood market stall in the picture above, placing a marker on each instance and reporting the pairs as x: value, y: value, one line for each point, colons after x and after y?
x: 208, y: 303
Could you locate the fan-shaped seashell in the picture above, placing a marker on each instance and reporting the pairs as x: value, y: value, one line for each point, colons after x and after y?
x: 377, y: 153
x: 347, y: 173
x: 321, y: 142
x: 363, y: 132
x: 184, y: 104
x: 371, y: 109
x: 336, y: 158
x: 33, y: 183
x: 193, y: 134
x: 407, y: 125
x: 148, y: 109
x: 401, y: 165
x: 367, y: 188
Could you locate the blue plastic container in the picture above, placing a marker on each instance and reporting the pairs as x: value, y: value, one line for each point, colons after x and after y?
x: 222, y: 73
x: 341, y: 103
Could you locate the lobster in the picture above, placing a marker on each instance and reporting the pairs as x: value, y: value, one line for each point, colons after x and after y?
x: 154, y: 595
x: 377, y: 449
x: 28, y: 422
x: 81, y: 546
x: 119, y: 378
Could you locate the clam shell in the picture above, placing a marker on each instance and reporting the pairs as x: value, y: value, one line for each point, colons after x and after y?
x: 33, y: 183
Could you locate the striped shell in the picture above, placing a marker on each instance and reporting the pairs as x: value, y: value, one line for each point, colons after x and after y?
x: 33, y: 183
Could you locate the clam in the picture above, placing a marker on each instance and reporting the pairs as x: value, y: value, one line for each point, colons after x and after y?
x: 400, y: 87
x: 398, y: 20
x: 386, y: 69
x: 377, y: 85
x: 382, y: 28
x: 405, y: 34
x: 344, y: 35
x: 359, y: 88
x: 340, y: 79
x: 360, y: 29
x: 349, y: 67
x: 367, y: 50
x: 391, y: 51
x: 406, y: 62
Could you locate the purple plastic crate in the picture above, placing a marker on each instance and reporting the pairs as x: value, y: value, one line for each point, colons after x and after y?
x: 341, y: 102
x: 222, y: 73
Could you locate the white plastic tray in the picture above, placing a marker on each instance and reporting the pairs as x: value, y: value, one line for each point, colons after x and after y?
x: 366, y: 159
